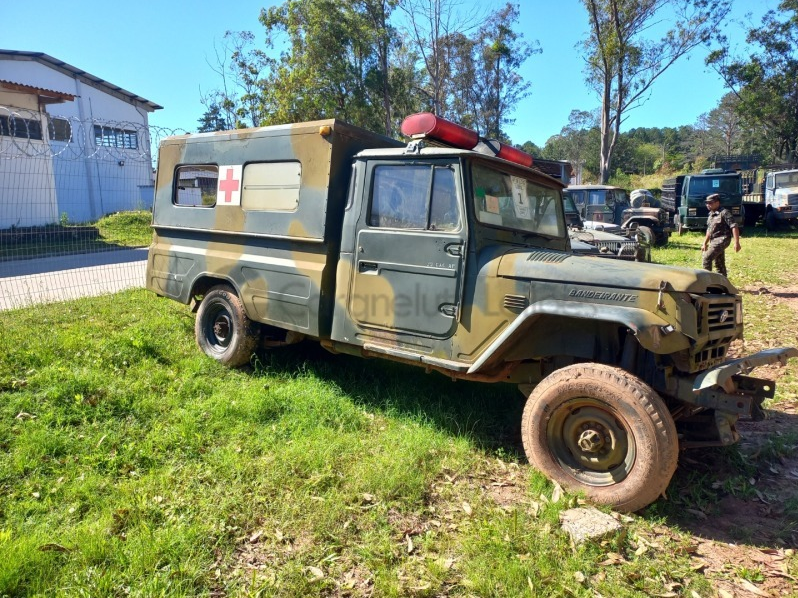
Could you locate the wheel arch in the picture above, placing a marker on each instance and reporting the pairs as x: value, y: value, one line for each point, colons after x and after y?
x: 205, y: 282
x: 583, y: 320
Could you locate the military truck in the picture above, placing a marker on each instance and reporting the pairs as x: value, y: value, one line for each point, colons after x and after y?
x: 603, y: 206
x: 684, y: 195
x: 774, y: 192
x: 451, y: 254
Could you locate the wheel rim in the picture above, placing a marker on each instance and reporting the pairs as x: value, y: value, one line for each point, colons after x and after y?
x: 218, y: 328
x: 586, y: 437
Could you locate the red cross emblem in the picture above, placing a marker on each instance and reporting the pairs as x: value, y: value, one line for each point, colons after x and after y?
x: 229, y: 185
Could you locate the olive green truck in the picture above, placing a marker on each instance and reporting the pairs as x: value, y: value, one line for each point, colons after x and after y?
x: 452, y: 253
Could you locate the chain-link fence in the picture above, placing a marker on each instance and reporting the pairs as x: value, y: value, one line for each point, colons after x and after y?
x: 75, y: 202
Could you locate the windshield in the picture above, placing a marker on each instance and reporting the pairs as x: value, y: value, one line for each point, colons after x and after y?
x: 703, y: 186
x: 516, y: 203
x: 787, y: 179
x: 568, y: 204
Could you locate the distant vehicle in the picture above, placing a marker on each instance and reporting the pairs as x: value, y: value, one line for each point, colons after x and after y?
x: 772, y: 194
x: 683, y: 197
x: 602, y: 206
x: 643, y: 198
x: 606, y: 244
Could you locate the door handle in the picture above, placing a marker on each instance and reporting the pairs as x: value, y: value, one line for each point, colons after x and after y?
x: 454, y: 249
x: 367, y: 267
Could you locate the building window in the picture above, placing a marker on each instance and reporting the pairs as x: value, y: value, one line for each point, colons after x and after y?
x: 60, y: 129
x: 196, y: 185
x: 113, y: 137
x: 23, y: 128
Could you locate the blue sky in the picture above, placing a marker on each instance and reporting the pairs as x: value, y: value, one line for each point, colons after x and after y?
x: 161, y: 49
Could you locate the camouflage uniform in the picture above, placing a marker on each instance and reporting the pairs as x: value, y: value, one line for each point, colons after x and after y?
x: 719, y: 230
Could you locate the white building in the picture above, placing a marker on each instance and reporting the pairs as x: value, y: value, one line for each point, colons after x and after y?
x: 72, y: 146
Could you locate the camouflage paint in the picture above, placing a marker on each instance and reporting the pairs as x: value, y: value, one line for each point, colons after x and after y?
x: 477, y: 302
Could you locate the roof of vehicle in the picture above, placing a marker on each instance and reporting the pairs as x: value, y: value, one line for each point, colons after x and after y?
x: 437, y: 151
x: 580, y: 187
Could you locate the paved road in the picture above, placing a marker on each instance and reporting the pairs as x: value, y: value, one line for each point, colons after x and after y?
x: 44, y: 280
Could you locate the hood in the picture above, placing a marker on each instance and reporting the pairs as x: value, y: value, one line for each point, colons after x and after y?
x: 597, y: 225
x: 590, y: 235
x: 561, y: 267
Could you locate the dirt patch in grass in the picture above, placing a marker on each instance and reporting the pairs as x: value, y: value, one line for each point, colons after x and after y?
x: 746, y: 531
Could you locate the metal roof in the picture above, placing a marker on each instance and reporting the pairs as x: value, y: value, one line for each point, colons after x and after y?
x: 88, y: 78
x: 46, y: 96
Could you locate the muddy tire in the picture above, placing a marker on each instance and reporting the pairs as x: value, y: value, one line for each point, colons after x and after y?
x: 598, y: 429
x: 223, y: 330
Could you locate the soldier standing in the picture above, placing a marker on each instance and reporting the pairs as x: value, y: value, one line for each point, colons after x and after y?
x: 721, y: 227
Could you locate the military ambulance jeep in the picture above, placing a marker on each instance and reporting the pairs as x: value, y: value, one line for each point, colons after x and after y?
x: 455, y: 259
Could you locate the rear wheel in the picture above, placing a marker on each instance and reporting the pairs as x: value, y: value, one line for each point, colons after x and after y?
x: 223, y: 330
x: 598, y: 429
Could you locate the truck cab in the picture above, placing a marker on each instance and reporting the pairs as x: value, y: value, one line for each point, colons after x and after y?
x: 451, y: 253
x: 683, y: 196
x: 781, y: 198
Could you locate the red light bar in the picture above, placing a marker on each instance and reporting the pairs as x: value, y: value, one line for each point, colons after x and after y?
x: 511, y: 154
x: 426, y: 124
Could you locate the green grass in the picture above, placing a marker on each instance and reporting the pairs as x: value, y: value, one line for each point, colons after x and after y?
x: 131, y: 464
x: 123, y: 229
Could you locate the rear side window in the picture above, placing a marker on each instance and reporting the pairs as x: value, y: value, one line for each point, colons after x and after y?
x: 196, y: 185
x: 271, y: 186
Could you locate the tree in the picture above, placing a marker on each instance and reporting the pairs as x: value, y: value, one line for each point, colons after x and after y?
x: 436, y: 28
x: 725, y: 125
x: 239, y: 66
x: 766, y: 83
x: 622, y: 64
x: 502, y: 52
x: 212, y: 120
x: 337, y: 62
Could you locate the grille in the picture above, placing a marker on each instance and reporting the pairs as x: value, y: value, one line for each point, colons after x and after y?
x: 713, y: 353
x: 716, y: 315
x: 624, y: 250
x: 515, y: 302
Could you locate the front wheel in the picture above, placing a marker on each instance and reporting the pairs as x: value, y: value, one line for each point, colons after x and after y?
x: 223, y: 330
x: 771, y: 222
x: 646, y: 235
x: 598, y: 429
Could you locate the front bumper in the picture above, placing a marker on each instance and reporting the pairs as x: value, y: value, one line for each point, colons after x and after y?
x: 786, y: 213
x: 730, y: 393
x: 723, y: 394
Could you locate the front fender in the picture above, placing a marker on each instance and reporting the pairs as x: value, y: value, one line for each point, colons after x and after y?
x: 653, y: 333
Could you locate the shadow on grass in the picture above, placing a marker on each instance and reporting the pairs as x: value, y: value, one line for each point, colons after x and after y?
x: 487, y: 414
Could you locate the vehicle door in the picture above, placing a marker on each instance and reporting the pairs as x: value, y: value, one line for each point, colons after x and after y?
x: 410, y: 249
